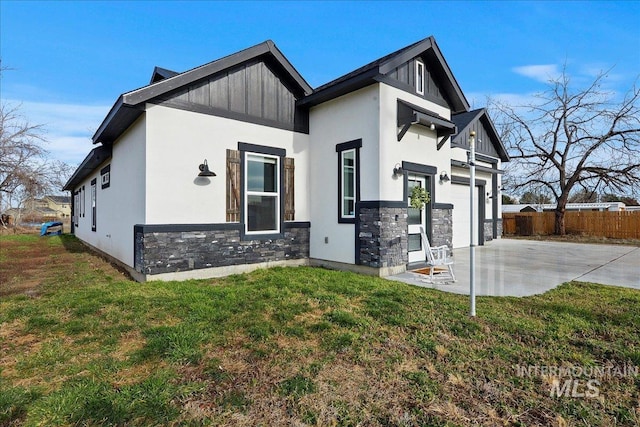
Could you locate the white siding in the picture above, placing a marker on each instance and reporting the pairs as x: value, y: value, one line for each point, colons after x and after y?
x: 121, y: 205
x: 418, y: 145
x: 178, y: 141
x: 349, y: 117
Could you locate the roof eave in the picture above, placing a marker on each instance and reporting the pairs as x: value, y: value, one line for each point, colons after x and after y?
x: 289, y: 68
x: 502, y: 150
x: 160, y: 88
x: 342, y: 88
x: 88, y: 165
x: 480, y: 111
x: 107, y: 120
x: 464, y: 104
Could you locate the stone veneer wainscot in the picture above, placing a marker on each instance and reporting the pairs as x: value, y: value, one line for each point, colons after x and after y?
x: 165, y: 249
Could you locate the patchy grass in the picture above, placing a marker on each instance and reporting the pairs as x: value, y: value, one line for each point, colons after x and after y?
x: 82, y: 345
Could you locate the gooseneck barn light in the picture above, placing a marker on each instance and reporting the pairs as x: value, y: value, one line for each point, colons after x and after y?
x: 204, y: 169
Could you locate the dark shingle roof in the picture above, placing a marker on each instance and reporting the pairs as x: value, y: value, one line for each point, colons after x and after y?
x: 60, y: 199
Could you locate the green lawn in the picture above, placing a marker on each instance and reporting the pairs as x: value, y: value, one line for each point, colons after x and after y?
x: 85, y: 346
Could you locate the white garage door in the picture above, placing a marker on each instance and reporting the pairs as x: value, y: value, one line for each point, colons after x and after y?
x: 460, y: 199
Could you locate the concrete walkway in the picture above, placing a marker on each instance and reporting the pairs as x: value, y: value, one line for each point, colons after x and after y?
x: 510, y: 267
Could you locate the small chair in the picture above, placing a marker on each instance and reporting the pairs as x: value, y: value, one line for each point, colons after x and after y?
x: 438, y: 258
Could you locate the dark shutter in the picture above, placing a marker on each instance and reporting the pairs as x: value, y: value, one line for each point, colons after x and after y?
x: 233, y: 186
x: 289, y: 187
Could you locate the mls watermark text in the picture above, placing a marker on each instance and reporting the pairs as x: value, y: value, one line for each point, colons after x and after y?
x: 576, y: 381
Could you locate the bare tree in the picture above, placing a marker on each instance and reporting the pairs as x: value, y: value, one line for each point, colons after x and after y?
x: 571, y: 139
x: 26, y: 170
x: 21, y: 151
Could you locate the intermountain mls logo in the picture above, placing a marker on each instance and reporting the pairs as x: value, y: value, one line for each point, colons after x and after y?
x: 576, y: 381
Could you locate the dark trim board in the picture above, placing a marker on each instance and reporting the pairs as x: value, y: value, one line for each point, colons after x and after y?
x: 297, y: 224
x: 464, y: 165
x: 442, y: 206
x: 356, y: 143
x: 262, y: 149
x: 481, y: 157
x: 419, y: 168
x: 465, y: 180
x: 373, y: 204
x: 168, y: 228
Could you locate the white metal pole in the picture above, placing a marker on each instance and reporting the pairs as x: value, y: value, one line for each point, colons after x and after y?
x: 472, y: 240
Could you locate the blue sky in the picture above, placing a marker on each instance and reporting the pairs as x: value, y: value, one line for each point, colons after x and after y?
x: 70, y: 60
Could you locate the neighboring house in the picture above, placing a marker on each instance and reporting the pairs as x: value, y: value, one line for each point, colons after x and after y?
x: 303, y: 176
x: 47, y: 208
x: 548, y: 207
x: 61, y: 205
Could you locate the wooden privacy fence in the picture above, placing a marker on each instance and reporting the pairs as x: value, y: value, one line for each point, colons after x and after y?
x: 613, y: 225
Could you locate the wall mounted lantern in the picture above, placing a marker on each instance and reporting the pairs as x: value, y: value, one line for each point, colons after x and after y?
x: 397, y: 170
x: 444, y: 177
x: 204, y: 169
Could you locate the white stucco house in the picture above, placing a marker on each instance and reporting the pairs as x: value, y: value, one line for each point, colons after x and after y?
x: 302, y: 176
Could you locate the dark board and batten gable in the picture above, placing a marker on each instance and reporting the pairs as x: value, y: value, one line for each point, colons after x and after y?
x: 257, y: 85
x: 398, y: 69
x: 252, y: 91
x: 487, y: 139
x: 404, y: 77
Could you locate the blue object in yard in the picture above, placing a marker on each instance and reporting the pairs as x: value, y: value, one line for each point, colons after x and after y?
x: 55, y: 226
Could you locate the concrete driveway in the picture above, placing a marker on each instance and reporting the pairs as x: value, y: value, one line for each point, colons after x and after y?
x: 510, y: 267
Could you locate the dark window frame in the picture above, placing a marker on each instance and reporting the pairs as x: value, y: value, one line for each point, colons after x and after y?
x: 105, y: 171
x: 430, y: 172
x: 355, y: 145
x: 281, y: 153
x: 94, y: 204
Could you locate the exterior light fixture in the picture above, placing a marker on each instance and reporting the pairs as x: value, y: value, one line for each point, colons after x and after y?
x: 444, y: 177
x: 397, y: 170
x: 204, y: 169
x: 432, y: 127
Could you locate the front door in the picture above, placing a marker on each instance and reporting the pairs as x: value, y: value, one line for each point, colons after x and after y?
x: 417, y: 218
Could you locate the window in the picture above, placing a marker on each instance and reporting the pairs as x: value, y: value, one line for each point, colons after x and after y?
x: 93, y: 205
x: 348, y: 200
x: 105, y: 177
x: 83, y: 201
x: 262, y: 203
x: 420, y: 77
x: 348, y: 180
x: 258, y: 179
x: 76, y: 207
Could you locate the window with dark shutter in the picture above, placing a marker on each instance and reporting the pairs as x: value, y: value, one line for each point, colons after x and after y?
x: 289, y: 187
x: 233, y: 186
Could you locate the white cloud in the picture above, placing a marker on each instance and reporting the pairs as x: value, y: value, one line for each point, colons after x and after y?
x: 541, y: 73
x: 68, y: 127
